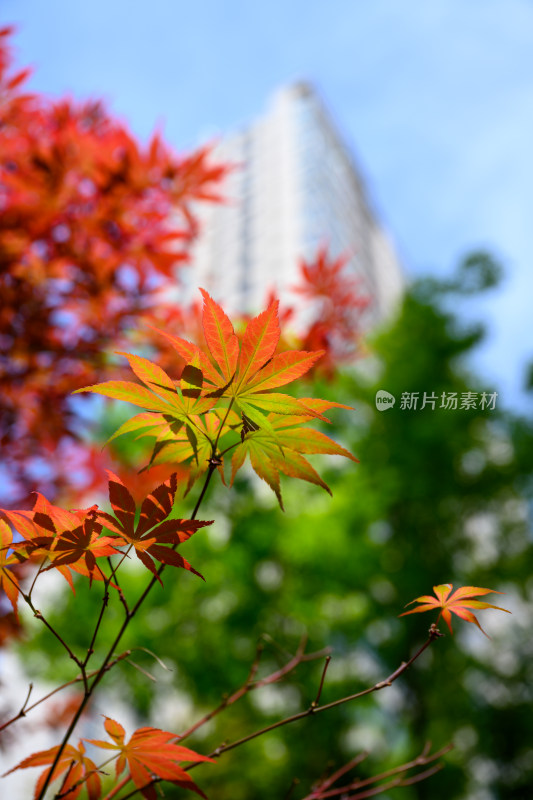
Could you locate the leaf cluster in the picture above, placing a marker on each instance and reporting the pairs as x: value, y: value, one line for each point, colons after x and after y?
x: 226, y: 400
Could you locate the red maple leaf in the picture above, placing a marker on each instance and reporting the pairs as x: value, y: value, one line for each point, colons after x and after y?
x: 71, y: 540
x: 153, y: 530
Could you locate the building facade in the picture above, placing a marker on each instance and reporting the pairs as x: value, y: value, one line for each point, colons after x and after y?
x: 294, y: 189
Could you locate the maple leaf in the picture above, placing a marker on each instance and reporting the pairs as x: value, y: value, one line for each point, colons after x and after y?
x: 81, y: 771
x: 150, y: 751
x: 250, y: 368
x: 153, y: 529
x: 241, y: 371
x: 82, y: 543
x: 338, y: 302
x: 172, y: 407
x: 458, y: 603
x: 282, y: 452
x: 71, y: 540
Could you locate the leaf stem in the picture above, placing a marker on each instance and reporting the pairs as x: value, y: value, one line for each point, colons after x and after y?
x: 41, y: 565
x: 116, y: 789
x: 219, y: 432
x: 105, y: 601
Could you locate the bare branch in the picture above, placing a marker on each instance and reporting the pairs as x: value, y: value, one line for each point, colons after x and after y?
x: 421, y: 760
x: 316, y: 701
x: 78, y: 679
x: 434, y: 633
x: 250, y: 685
x: 359, y: 789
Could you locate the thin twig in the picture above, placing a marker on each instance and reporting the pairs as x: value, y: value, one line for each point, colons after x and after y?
x: 39, y: 615
x: 105, y: 601
x: 341, y: 771
x: 41, y: 565
x: 78, y: 679
x: 357, y: 785
x: 317, y: 698
x: 114, y: 576
x: 215, y: 443
x: 61, y: 792
x: 22, y: 712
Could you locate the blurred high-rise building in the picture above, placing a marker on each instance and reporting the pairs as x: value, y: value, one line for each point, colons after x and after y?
x: 295, y: 187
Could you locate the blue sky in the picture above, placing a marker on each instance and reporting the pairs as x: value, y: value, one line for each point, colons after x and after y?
x: 435, y: 99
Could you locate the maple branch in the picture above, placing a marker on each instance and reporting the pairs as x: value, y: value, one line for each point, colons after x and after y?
x: 358, y: 759
x: 25, y: 709
x: 105, y: 601
x: 323, y: 791
x: 83, y: 779
x: 41, y: 565
x: 434, y: 633
x: 227, y: 449
x: 22, y: 711
x: 250, y: 684
x: 39, y: 615
x: 114, y: 570
x: 210, y: 470
x: 61, y: 792
x: 317, y: 698
x: 313, y: 708
x: 215, y: 444
x: 113, y: 575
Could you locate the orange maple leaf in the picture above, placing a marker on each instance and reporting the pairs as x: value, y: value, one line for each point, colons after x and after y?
x: 457, y: 603
x: 150, y: 752
x: 79, y: 769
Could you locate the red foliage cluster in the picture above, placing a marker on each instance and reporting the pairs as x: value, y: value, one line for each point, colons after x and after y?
x: 91, y: 227
x: 338, y: 304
